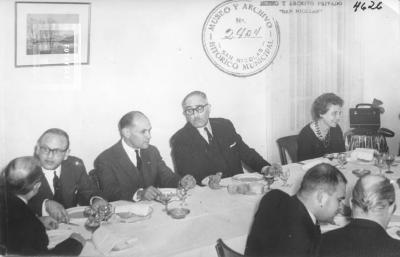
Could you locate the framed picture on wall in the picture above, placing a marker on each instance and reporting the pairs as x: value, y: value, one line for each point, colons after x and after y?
x: 52, y: 33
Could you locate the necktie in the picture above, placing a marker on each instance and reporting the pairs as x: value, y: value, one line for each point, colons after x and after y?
x: 210, y: 137
x: 57, y: 188
x: 138, y: 160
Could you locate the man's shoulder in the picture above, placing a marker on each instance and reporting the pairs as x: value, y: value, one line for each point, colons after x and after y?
x: 73, y: 161
x: 110, y: 152
x: 221, y: 122
x: 275, y: 196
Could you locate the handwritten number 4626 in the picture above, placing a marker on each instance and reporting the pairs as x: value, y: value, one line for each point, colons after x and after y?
x: 363, y: 5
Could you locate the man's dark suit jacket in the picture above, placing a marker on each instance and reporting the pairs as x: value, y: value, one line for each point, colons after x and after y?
x: 76, y: 186
x: 282, y: 226
x: 26, y: 235
x: 120, y: 179
x: 360, y: 238
x: 191, y: 154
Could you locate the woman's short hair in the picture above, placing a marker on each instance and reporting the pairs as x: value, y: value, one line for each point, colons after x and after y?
x: 322, y: 103
x: 373, y: 192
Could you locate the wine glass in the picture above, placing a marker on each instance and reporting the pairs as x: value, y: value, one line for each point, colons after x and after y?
x: 270, y: 180
x: 181, y: 192
x: 379, y: 162
x: 341, y: 160
x: 284, y: 176
x: 389, y: 159
x: 164, y: 199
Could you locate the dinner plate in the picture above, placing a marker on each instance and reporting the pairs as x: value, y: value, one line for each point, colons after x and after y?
x: 248, y: 177
x: 76, y: 212
x: 361, y: 172
x: 130, y: 217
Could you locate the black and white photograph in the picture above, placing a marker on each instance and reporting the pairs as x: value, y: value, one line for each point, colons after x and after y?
x: 200, y: 128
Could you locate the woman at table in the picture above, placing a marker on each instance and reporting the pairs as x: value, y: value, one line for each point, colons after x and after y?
x: 323, y: 135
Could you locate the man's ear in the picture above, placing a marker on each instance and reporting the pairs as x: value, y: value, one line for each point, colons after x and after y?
x: 36, y: 149
x: 125, y: 132
x: 322, y: 197
x: 37, y: 186
x: 67, y: 154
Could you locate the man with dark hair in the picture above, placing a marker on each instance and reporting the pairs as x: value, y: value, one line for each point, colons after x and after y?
x: 288, y: 225
x: 65, y: 182
x: 132, y: 169
x: 24, y: 233
x: 373, y: 204
x: 205, y: 146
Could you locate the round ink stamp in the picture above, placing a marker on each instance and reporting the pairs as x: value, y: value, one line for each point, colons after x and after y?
x: 240, y: 38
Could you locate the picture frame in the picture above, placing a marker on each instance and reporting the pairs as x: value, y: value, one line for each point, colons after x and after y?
x: 52, y: 33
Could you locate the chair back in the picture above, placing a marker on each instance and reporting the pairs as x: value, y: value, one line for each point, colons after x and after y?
x: 225, y: 251
x: 95, y: 179
x: 287, y: 145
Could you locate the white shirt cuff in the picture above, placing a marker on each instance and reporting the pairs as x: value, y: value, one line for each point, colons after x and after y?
x: 44, y: 211
x: 135, y: 197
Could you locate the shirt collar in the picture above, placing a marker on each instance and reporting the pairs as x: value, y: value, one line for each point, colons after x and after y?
x: 58, y: 170
x: 208, y: 126
x: 128, y: 149
x: 314, y: 219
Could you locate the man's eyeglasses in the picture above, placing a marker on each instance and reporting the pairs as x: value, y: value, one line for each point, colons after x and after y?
x: 198, y: 109
x: 56, y: 151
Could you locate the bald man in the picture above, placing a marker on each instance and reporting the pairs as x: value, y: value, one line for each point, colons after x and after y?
x: 205, y: 146
x: 132, y: 169
x: 373, y: 204
x: 25, y: 233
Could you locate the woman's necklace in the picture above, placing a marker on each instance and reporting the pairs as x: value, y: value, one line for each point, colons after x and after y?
x: 322, y: 138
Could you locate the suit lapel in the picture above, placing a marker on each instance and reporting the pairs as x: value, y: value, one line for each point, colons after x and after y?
x: 45, y: 188
x: 197, y: 140
x: 126, y: 164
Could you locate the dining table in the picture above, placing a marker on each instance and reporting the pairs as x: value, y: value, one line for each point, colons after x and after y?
x: 218, y: 213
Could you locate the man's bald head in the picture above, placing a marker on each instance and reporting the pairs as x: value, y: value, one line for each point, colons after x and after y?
x: 21, y: 175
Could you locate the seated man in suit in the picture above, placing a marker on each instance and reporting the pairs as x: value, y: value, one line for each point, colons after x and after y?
x: 24, y: 233
x: 132, y: 169
x: 288, y: 225
x: 65, y: 182
x: 205, y: 146
x: 373, y: 203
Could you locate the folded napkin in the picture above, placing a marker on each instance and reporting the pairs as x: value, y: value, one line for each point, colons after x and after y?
x: 363, y: 154
x: 139, y: 209
x: 309, y: 164
x: 106, y: 240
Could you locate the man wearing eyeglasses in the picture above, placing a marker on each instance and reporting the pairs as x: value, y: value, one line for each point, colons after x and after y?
x: 65, y: 182
x: 205, y: 146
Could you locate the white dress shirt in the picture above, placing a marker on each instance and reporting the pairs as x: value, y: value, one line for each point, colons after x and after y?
x: 130, y: 151
x: 203, y: 133
x: 49, y: 175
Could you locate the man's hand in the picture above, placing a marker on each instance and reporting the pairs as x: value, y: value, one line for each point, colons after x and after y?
x: 78, y: 238
x: 275, y: 170
x: 98, y: 202
x: 57, y: 211
x: 149, y: 193
x: 48, y: 222
x: 188, y: 182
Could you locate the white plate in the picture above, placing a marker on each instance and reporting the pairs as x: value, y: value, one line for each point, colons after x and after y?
x: 76, y: 212
x: 248, y: 177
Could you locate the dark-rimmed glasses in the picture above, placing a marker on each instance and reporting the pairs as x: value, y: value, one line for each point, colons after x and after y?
x: 55, y: 151
x: 198, y: 109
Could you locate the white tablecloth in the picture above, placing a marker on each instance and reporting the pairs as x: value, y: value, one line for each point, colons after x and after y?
x: 213, y: 214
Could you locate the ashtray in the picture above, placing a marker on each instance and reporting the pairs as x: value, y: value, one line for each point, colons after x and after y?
x: 178, y: 213
x: 361, y: 172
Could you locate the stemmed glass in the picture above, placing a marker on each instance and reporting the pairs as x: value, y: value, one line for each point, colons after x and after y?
x: 389, y: 159
x: 270, y: 180
x: 379, y: 162
x: 341, y: 160
x: 284, y: 176
x: 165, y: 199
x: 182, y: 194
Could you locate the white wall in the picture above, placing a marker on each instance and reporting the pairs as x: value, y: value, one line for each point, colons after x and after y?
x: 145, y: 55
x: 382, y: 65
